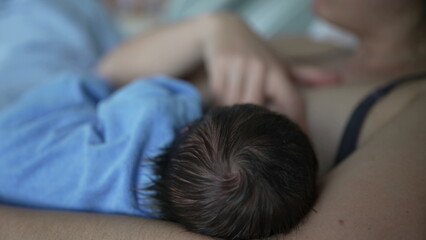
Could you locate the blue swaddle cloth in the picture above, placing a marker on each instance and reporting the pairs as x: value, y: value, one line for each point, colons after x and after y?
x: 42, y: 38
x: 73, y: 144
x: 67, y: 141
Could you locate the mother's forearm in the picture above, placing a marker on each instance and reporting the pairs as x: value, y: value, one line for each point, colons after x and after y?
x: 173, y: 50
x: 20, y: 223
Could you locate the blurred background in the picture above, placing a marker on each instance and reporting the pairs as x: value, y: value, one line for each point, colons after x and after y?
x: 267, y: 17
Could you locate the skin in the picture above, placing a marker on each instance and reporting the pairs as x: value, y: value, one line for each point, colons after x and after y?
x: 392, y: 41
x: 369, y: 195
x: 376, y: 193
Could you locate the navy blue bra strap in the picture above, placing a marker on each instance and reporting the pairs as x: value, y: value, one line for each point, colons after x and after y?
x: 352, y: 131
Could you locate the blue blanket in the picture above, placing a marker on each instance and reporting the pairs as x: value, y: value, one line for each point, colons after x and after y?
x: 73, y: 144
x: 67, y: 141
x: 41, y: 38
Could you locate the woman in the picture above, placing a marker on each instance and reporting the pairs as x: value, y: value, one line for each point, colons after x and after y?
x: 367, y: 196
x: 242, y: 69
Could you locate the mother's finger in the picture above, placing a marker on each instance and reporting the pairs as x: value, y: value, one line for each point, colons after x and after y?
x: 217, y: 74
x: 314, y: 76
x: 286, y: 98
x: 234, y: 81
x: 254, y: 91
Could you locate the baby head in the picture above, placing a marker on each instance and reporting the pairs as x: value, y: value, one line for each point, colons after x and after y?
x: 240, y: 172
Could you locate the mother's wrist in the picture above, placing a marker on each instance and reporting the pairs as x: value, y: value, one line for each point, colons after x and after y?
x: 215, y: 22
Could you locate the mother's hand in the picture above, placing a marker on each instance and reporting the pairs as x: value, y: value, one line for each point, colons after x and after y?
x: 243, y: 69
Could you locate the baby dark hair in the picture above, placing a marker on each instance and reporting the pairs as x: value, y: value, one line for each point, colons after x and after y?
x: 240, y: 172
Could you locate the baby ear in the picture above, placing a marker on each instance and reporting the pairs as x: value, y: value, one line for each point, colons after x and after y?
x: 185, y: 129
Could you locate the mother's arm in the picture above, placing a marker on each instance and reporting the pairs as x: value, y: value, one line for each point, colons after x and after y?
x: 20, y: 223
x: 241, y: 67
x: 377, y: 193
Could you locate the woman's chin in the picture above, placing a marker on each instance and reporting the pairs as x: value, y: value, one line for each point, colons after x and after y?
x: 316, y: 7
x: 320, y: 9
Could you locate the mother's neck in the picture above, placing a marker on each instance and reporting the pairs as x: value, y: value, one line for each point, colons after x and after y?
x: 395, y: 48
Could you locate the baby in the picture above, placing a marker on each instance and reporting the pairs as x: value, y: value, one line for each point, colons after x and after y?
x: 240, y: 172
